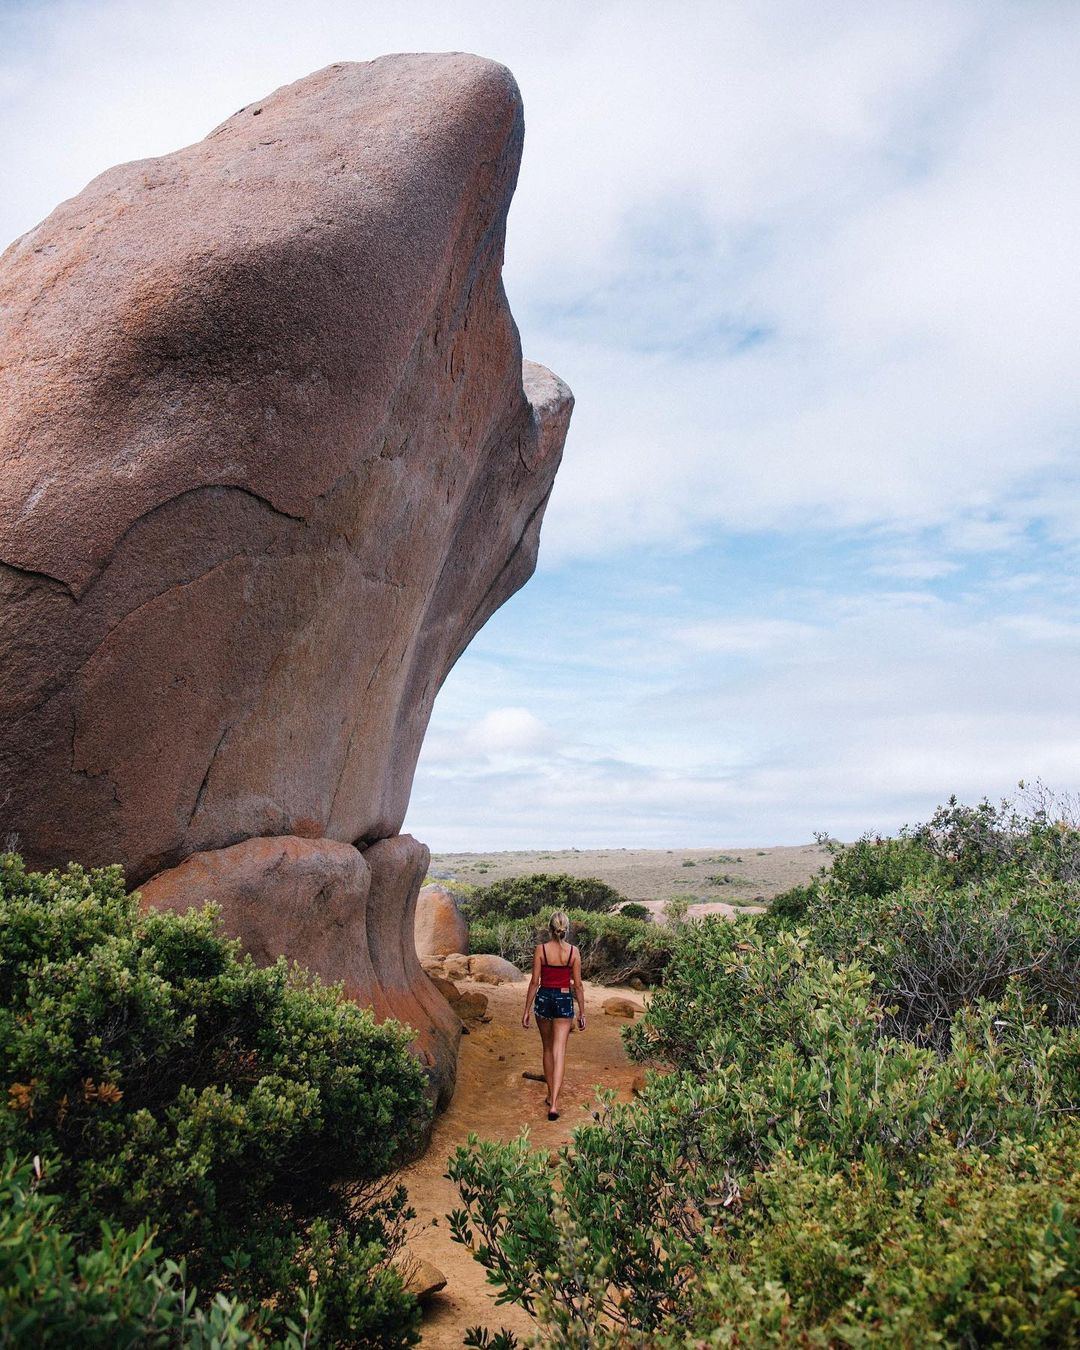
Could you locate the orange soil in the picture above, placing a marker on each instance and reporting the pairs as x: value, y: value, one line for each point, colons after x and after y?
x: 495, y: 1102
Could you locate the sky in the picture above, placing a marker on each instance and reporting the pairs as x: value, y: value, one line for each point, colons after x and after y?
x: 813, y: 273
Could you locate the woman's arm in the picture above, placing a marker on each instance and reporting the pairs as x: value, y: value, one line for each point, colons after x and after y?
x: 534, y: 985
x: 579, y: 988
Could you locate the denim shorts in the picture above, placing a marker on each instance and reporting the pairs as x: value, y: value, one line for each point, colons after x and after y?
x: 554, y: 1003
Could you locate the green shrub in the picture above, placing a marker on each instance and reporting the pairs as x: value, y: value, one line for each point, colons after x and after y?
x: 613, y: 948
x: 635, y: 911
x: 865, y: 1132
x: 953, y: 911
x: 987, y: 1254
x: 788, y: 1063
x: 115, y: 1291
x: 174, y: 1084
x: 522, y: 897
x: 790, y: 907
x: 935, y: 950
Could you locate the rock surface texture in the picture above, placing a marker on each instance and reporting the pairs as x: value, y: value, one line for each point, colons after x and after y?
x: 440, y: 925
x: 270, y: 458
x: 488, y: 969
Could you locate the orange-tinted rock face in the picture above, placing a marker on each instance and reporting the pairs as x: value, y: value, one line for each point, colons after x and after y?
x: 349, y: 913
x: 440, y: 926
x: 270, y: 457
x: 268, y: 464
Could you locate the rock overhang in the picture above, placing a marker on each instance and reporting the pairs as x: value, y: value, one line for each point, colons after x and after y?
x: 271, y: 458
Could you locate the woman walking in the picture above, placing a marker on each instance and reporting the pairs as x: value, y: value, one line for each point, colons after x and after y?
x: 556, y: 967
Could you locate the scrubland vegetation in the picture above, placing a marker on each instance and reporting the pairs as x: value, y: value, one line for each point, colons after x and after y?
x: 510, y: 917
x: 861, y: 1122
x: 196, y: 1149
x: 861, y: 1128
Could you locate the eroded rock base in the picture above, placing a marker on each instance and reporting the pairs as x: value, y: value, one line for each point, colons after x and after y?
x: 350, y: 914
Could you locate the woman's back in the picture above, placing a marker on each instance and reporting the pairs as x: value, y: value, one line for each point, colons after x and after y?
x: 556, y: 974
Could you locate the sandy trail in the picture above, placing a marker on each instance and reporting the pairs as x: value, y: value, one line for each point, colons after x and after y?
x: 494, y: 1101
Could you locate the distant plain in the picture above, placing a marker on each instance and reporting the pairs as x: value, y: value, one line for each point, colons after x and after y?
x: 728, y: 876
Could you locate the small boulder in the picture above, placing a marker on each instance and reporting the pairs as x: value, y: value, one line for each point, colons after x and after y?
x: 439, y: 927
x: 471, y: 1006
x: 456, y: 966
x: 494, y: 970
x: 425, y: 1280
x: 622, y: 1007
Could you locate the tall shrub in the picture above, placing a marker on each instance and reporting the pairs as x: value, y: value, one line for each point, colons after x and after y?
x: 830, y: 1152
x: 247, y: 1116
x: 521, y: 897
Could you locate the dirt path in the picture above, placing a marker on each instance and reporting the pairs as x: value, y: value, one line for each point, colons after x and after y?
x: 494, y: 1101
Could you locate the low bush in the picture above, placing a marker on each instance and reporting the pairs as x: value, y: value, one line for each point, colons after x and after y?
x: 790, y: 907
x: 951, y: 912
x: 986, y: 1254
x: 116, y: 1291
x: 633, y: 910
x: 522, y: 897
x: 655, y: 1199
x: 834, y: 1154
x: 246, y: 1115
x: 613, y: 948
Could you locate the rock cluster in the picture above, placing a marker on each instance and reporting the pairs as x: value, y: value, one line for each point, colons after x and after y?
x: 488, y: 969
x: 270, y: 457
x: 469, y: 1004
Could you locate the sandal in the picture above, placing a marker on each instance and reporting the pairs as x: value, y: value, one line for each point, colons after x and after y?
x: 553, y: 1115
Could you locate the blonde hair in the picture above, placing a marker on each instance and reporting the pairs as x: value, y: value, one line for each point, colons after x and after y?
x: 559, y: 925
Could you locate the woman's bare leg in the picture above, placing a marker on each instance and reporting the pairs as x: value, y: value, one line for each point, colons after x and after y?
x: 544, y: 1026
x: 560, y: 1036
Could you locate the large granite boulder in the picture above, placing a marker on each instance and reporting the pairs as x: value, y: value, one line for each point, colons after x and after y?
x: 270, y: 457
x: 269, y: 462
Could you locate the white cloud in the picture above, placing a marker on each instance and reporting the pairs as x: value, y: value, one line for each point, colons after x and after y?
x: 751, y: 635
x: 506, y: 731
x: 866, y: 723
x: 811, y: 272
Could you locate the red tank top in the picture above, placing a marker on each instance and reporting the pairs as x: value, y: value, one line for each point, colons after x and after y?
x: 554, y: 977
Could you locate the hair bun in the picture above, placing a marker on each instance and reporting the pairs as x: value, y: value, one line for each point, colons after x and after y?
x: 559, y: 924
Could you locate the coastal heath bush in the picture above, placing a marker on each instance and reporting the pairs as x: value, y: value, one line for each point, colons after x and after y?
x: 246, y: 1115
x: 522, y: 897
x: 654, y: 1197
x: 633, y: 910
x: 613, y: 948
x: 987, y: 1254
x: 114, y: 1292
x: 802, y: 1172
x: 953, y: 911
